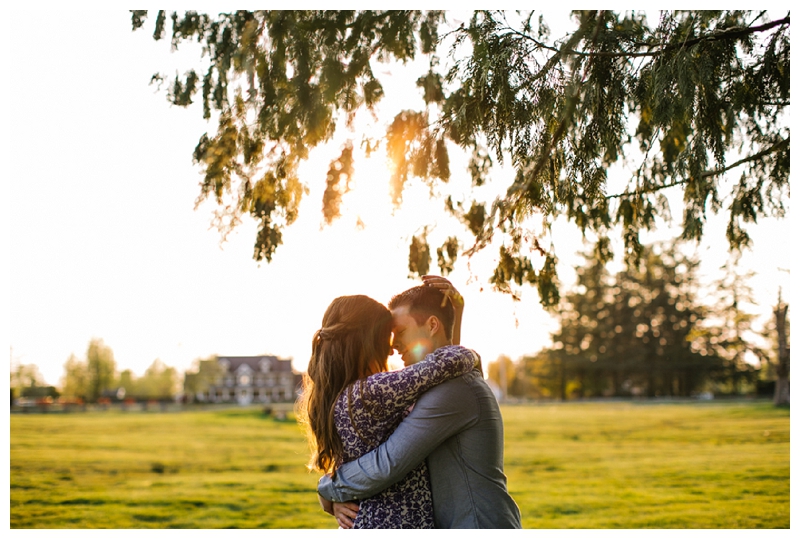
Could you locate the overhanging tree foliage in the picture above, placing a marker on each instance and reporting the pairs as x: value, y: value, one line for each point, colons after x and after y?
x: 674, y: 100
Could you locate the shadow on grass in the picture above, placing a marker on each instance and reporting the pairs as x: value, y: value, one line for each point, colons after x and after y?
x: 153, y: 518
x: 80, y: 501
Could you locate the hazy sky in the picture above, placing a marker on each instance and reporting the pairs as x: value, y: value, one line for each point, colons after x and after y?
x: 104, y: 240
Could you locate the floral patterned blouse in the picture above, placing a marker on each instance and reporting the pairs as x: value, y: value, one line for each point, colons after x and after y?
x: 369, y: 410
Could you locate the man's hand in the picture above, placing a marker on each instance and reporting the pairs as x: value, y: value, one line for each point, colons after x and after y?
x: 345, y: 513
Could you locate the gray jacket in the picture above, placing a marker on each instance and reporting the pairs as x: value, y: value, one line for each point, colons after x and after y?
x: 457, y: 425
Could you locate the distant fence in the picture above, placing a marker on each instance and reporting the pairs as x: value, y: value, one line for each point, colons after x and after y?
x: 39, y: 406
x: 281, y: 410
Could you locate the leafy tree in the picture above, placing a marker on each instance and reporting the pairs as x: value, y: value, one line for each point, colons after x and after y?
x: 88, y: 379
x: 670, y: 101
x: 542, y: 375
x: 25, y: 377
x: 503, y: 372
x: 101, y: 369
x: 206, y: 372
x: 158, y: 382
x: 75, y: 380
x: 127, y: 381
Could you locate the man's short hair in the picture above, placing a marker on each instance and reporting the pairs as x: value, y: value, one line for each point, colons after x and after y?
x: 424, y: 301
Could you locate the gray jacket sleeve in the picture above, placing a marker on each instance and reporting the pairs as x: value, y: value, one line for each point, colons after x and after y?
x: 439, y: 413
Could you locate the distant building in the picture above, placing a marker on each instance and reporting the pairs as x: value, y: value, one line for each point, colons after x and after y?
x: 246, y: 380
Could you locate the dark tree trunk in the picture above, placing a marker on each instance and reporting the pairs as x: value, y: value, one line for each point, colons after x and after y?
x: 651, y: 385
x: 782, y: 383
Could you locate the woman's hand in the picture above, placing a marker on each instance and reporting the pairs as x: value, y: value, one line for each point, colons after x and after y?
x: 446, y: 288
x: 345, y: 513
x: 456, y: 299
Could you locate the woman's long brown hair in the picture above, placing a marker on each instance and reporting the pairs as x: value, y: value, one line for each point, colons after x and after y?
x: 353, y: 343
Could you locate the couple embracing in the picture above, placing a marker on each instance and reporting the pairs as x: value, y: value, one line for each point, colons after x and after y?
x: 421, y: 447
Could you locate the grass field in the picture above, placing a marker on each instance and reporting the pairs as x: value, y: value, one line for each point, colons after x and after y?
x: 573, y: 465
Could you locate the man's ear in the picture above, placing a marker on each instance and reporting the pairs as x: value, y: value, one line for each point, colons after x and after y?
x: 433, y: 324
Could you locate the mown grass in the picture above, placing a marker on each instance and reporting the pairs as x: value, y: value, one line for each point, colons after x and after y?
x: 225, y: 469
x: 625, y: 465
x: 581, y: 465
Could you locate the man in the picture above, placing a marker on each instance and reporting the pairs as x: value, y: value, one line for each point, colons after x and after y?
x: 456, y: 426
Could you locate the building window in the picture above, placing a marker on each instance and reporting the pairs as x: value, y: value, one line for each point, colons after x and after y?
x: 244, y: 380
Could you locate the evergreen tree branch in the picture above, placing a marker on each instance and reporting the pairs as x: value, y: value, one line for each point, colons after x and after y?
x: 728, y: 33
x: 760, y: 14
x: 571, y: 105
x: 535, y: 41
x: 772, y: 149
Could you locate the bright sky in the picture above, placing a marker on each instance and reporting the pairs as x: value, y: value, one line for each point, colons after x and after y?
x: 104, y: 241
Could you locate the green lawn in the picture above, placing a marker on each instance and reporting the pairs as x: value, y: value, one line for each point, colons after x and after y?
x: 622, y: 465
x: 581, y: 465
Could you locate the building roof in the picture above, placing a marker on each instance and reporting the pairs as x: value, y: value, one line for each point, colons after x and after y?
x: 274, y: 363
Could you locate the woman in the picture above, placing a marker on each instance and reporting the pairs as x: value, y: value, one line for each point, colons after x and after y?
x: 352, y: 405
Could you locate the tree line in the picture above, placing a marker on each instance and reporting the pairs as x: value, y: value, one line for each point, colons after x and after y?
x: 95, y: 378
x: 644, y: 331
